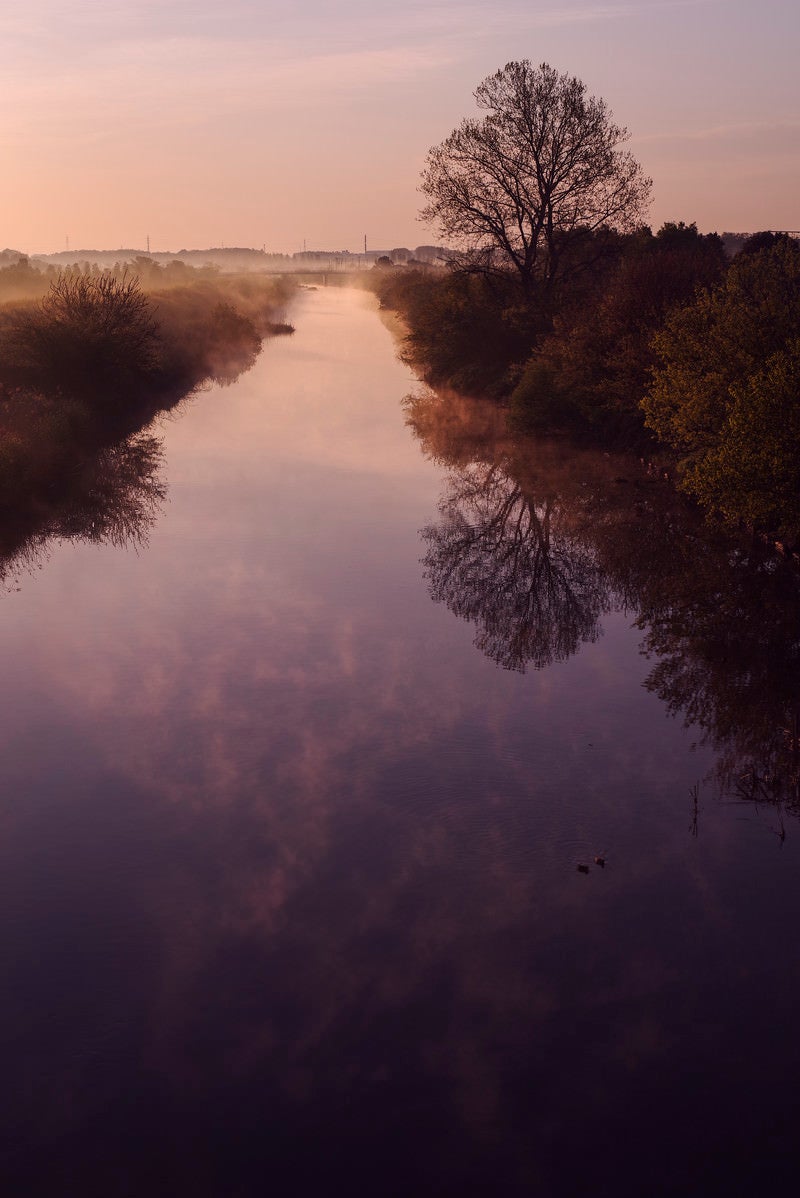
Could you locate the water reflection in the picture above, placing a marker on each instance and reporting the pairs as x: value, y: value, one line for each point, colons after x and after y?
x: 537, y: 541
x: 113, y: 497
x: 288, y: 869
x: 725, y: 642
x: 503, y: 559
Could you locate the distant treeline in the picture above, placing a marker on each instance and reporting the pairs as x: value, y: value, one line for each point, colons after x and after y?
x: 22, y: 277
x: 88, y: 357
x: 228, y: 259
x: 661, y: 343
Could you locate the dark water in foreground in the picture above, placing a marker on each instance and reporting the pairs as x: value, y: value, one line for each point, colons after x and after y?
x: 289, y: 899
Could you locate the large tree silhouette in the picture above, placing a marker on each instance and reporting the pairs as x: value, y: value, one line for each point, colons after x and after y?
x: 544, y: 162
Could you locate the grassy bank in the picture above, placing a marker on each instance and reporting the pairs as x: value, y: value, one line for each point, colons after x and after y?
x: 90, y: 362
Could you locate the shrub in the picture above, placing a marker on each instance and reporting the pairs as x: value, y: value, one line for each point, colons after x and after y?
x: 538, y: 403
x: 203, y: 337
x: 465, y: 331
x: 89, y: 336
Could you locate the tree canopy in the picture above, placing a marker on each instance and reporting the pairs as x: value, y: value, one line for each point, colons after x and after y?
x: 725, y: 391
x: 543, y: 163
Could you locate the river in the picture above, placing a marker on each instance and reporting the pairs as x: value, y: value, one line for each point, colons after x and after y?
x: 298, y: 768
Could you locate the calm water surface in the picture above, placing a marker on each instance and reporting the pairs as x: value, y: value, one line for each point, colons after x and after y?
x: 292, y: 799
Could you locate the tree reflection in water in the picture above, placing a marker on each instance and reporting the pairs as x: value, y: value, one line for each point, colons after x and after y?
x: 726, y: 646
x: 501, y: 560
x: 115, y: 497
x: 536, y: 541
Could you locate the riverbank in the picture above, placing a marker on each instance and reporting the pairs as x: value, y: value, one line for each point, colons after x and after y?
x: 93, y: 361
x: 661, y: 347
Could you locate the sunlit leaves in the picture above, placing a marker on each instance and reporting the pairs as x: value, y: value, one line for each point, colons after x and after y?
x: 725, y: 392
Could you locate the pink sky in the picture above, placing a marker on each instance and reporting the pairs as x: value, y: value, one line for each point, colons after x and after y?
x: 200, y: 123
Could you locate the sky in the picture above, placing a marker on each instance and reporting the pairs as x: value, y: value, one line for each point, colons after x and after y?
x: 201, y: 123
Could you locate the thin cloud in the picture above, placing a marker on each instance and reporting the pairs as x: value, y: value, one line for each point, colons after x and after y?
x: 564, y: 15
x: 748, y: 129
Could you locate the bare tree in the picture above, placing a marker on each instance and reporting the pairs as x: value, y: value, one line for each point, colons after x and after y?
x: 543, y: 163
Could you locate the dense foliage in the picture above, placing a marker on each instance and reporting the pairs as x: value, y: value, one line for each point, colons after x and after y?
x: 578, y: 357
x: 660, y: 343
x: 591, y: 370
x: 726, y: 389
x: 465, y: 331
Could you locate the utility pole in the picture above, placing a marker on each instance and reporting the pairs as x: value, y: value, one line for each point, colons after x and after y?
x: 148, y: 245
x: 67, y: 242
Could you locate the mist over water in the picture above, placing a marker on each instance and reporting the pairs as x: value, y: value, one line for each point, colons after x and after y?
x: 305, y: 731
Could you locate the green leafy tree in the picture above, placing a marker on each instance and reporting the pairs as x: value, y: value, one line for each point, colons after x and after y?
x: 724, y: 389
x: 592, y: 371
x: 753, y: 474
